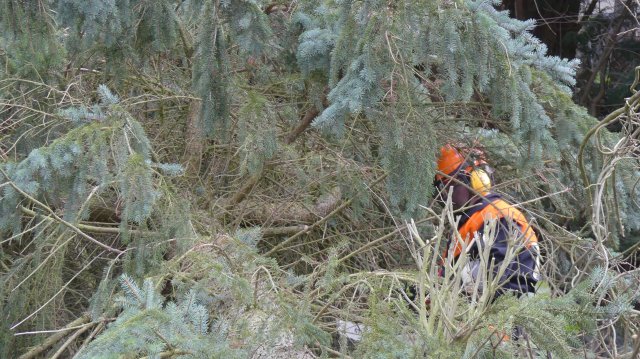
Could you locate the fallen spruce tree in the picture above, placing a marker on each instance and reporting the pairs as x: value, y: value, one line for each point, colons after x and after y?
x: 242, y: 179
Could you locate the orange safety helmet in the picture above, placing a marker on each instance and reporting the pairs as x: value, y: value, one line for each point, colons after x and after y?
x: 450, y: 160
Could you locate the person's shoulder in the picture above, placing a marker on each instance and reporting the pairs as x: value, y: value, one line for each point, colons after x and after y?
x: 505, y: 208
x: 492, y: 198
x: 495, y: 203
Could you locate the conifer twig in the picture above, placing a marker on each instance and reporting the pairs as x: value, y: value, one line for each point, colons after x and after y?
x: 186, y: 44
x: 38, y: 349
x: 335, y: 352
x: 278, y: 231
x: 244, y: 191
x: 170, y: 353
x: 90, y: 228
x: 636, y: 349
x: 57, y: 248
x: 54, y: 215
x: 73, y: 337
x: 319, y: 222
x: 57, y: 293
x: 613, y: 116
x: 88, y: 339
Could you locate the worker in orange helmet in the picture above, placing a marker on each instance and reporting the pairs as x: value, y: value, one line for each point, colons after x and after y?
x: 476, y: 204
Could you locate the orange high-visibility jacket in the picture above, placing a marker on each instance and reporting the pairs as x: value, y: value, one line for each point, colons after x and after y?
x: 496, y: 209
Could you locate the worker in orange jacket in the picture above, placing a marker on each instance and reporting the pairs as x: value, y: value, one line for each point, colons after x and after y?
x: 470, y: 187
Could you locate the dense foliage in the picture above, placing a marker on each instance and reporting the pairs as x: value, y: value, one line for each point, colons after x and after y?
x: 237, y: 178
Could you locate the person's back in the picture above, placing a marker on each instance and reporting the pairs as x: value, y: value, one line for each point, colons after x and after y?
x: 513, y: 238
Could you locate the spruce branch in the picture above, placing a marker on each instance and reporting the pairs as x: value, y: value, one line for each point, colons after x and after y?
x: 60, y: 220
x: 57, y: 218
x: 63, y: 288
x: 57, y: 248
x: 90, y: 228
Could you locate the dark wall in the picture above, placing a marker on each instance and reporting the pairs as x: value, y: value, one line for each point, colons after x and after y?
x: 557, y: 22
